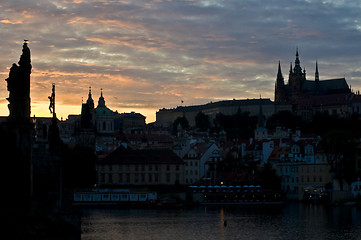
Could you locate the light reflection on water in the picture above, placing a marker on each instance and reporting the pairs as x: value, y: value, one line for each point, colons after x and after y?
x: 294, y: 221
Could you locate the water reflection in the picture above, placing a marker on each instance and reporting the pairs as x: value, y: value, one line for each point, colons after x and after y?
x: 294, y: 221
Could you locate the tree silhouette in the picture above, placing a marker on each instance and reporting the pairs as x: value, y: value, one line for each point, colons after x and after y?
x: 202, y: 121
x: 239, y: 125
x: 183, y: 123
x: 270, y: 179
x: 283, y: 119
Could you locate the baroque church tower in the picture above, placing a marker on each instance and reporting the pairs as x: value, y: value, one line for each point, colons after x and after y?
x: 87, y: 120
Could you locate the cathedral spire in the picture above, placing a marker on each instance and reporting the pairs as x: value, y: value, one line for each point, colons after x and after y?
x: 297, y: 68
x: 280, y: 85
x: 317, y: 76
x: 279, y: 73
x: 297, y: 61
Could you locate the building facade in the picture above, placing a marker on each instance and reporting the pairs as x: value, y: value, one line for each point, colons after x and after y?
x: 131, y: 122
x: 200, y: 162
x: 166, y: 117
x: 303, y: 167
x: 126, y: 167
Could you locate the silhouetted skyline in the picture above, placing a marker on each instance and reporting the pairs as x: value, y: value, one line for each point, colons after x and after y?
x: 150, y: 55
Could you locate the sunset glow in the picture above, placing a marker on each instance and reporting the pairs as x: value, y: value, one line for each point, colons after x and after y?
x: 148, y: 55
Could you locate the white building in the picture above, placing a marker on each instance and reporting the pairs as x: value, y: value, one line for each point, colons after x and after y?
x: 200, y: 162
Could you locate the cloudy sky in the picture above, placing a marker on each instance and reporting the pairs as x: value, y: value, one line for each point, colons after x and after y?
x: 148, y: 55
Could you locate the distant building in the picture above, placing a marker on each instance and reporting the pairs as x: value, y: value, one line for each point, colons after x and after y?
x: 342, y: 104
x: 200, y: 162
x: 97, y: 127
x: 298, y: 87
x: 313, y: 176
x: 131, y: 122
x: 166, y: 117
x: 99, y: 119
x: 126, y: 167
x: 104, y: 117
x: 303, y: 167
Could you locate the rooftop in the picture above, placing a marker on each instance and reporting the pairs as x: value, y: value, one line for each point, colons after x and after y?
x: 145, y: 156
x: 225, y: 103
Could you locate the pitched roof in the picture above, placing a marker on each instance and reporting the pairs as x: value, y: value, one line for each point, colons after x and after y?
x: 338, y: 85
x: 146, y: 156
x: 277, y: 152
x: 131, y: 115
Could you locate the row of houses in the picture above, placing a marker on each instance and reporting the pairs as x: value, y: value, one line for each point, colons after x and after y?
x: 299, y: 160
x: 158, y: 166
x: 155, y: 157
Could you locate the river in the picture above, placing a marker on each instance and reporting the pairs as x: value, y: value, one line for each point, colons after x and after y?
x: 293, y: 221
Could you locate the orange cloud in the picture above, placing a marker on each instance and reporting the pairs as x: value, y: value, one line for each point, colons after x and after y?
x: 7, y: 21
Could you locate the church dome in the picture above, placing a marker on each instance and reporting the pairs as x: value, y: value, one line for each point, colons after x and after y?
x: 101, y: 109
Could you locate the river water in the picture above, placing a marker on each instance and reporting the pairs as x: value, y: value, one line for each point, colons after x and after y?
x: 293, y: 221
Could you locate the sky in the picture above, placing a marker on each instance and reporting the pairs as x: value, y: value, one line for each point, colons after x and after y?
x: 149, y: 55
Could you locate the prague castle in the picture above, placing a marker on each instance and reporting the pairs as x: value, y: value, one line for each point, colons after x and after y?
x: 301, y: 96
x: 298, y: 87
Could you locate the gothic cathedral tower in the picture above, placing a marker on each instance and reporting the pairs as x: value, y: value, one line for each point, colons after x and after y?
x: 287, y: 93
x: 280, y: 92
x: 296, y: 80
